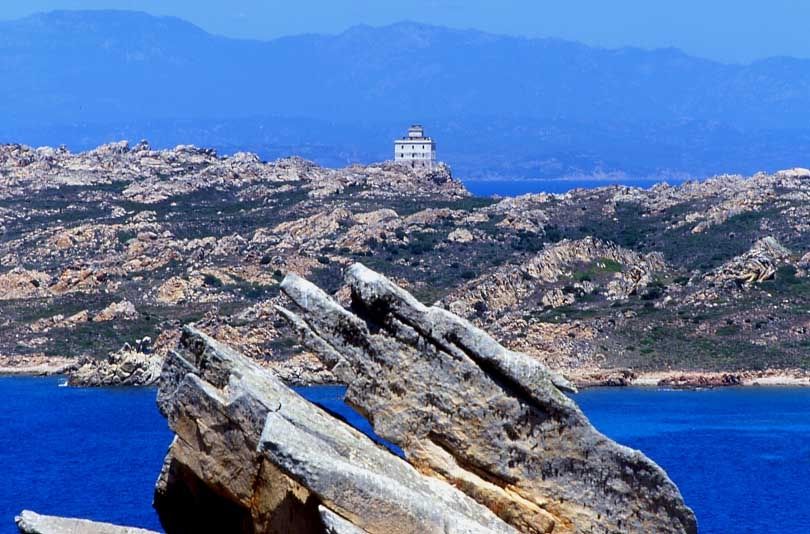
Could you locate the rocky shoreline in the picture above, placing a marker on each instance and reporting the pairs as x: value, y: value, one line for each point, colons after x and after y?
x: 304, y: 371
x: 584, y: 378
x: 36, y: 365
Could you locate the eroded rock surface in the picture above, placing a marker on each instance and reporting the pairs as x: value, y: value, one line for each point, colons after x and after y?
x: 130, y: 366
x: 32, y: 523
x: 491, y: 442
x: 250, y: 455
x: 492, y: 422
x: 754, y: 267
x: 510, y: 286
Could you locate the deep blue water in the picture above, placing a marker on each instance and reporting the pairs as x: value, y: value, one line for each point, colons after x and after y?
x: 510, y: 188
x: 93, y: 453
x: 740, y: 456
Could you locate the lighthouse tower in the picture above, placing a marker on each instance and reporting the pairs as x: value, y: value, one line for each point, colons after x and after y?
x: 416, y: 150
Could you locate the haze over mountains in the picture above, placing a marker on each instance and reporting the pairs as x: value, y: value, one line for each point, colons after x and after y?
x: 499, y: 106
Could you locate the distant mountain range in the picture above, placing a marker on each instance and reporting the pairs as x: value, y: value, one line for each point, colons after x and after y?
x: 499, y: 106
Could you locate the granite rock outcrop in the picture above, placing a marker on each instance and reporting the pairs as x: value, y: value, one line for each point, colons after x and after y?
x: 754, y: 267
x: 510, y: 286
x: 29, y: 522
x: 125, y: 241
x: 129, y: 366
x: 493, y: 422
x: 250, y: 455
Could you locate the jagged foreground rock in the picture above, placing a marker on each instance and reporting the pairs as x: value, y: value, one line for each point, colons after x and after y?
x: 492, y: 422
x: 32, y: 523
x: 492, y: 443
x: 250, y: 455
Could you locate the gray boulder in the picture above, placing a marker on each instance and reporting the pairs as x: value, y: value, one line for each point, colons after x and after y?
x: 250, y: 455
x: 32, y: 523
x: 493, y: 423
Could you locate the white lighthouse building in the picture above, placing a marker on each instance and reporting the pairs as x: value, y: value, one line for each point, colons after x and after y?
x: 416, y: 150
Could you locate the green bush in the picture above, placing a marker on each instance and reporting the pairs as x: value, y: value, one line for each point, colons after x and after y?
x: 728, y: 330
x: 610, y: 266
x: 212, y: 281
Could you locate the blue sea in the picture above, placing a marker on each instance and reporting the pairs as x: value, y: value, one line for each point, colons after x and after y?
x: 740, y: 456
x: 92, y: 453
x: 511, y: 188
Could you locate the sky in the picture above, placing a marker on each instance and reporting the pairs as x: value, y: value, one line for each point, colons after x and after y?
x: 725, y: 30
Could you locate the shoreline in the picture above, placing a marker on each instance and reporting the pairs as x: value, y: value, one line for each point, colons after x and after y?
x: 583, y: 378
x: 591, y: 378
x: 36, y: 365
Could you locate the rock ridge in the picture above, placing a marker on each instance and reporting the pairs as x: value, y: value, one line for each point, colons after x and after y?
x: 493, y: 422
x: 250, y: 454
x: 29, y: 522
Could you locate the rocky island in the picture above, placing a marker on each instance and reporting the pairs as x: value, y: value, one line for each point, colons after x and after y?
x: 104, y: 255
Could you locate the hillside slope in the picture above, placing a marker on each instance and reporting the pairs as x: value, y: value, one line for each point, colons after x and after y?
x: 122, y: 243
x: 87, y: 65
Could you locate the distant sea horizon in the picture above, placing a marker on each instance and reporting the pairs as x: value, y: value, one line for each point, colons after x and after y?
x: 507, y: 187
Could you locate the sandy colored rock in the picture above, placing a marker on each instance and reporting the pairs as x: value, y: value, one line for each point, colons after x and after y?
x: 121, y: 311
x: 251, y: 455
x: 493, y: 422
x: 755, y: 266
x: 130, y: 366
x: 23, y: 283
x: 460, y: 235
x: 508, y: 287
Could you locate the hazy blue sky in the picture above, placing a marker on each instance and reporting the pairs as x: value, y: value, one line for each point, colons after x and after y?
x: 728, y: 30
